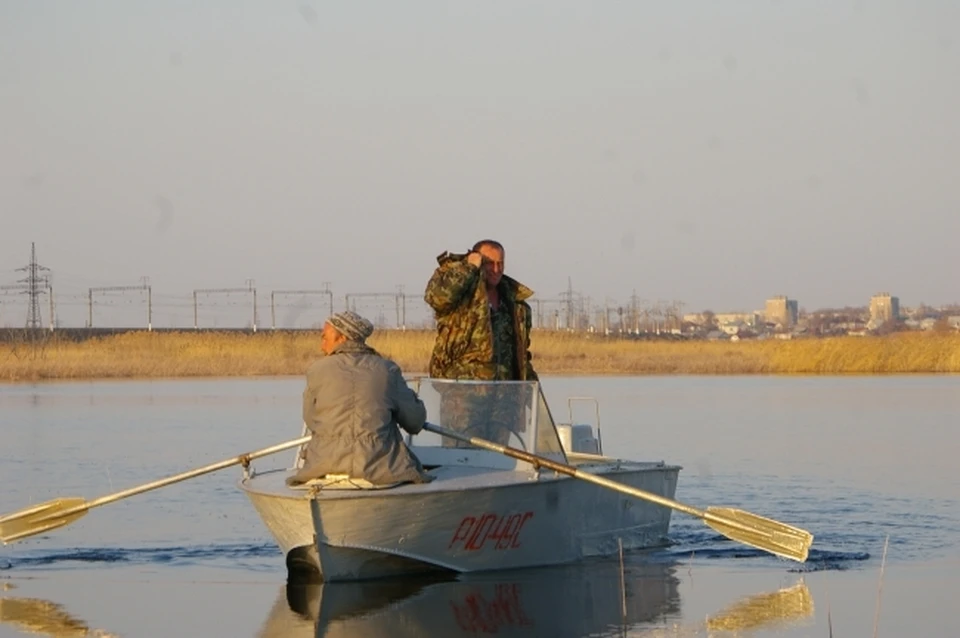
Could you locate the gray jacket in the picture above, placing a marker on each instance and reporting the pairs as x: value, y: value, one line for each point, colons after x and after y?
x: 353, y: 403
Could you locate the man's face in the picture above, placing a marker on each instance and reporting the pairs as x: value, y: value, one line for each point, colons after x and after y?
x: 330, y: 338
x: 492, y: 264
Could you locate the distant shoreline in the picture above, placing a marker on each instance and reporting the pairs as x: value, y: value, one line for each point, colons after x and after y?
x: 155, y: 355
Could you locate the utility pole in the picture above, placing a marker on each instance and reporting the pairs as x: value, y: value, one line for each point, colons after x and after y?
x: 401, y: 308
x: 252, y: 287
x: 36, y: 286
x: 146, y: 284
x: 50, y: 296
x: 540, y: 314
x: 635, y: 311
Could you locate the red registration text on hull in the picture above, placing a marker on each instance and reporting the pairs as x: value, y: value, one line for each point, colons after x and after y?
x: 494, y: 531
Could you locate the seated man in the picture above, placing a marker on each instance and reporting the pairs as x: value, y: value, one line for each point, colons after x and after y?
x: 353, y: 403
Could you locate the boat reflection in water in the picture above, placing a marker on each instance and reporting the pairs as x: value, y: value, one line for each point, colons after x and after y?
x: 578, y: 600
x: 35, y: 616
x: 575, y: 601
x: 583, y: 600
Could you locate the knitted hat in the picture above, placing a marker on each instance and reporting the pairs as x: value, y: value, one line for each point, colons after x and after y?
x: 351, y: 325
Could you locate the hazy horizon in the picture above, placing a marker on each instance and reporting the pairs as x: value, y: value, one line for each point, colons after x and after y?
x: 717, y: 154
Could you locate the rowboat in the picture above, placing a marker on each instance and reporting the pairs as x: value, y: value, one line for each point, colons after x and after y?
x: 483, y: 510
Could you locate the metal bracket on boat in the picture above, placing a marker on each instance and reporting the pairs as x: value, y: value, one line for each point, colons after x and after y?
x: 245, y: 463
x: 538, y: 471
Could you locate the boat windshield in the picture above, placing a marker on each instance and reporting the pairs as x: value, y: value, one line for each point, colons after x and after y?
x: 512, y: 413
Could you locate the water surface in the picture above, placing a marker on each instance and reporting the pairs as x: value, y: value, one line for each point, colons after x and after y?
x: 863, y: 463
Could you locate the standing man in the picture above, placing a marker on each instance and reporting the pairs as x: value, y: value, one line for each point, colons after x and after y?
x: 483, y: 333
x: 483, y: 319
x: 353, y: 403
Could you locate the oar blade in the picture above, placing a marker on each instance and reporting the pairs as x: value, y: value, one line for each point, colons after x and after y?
x: 37, y: 519
x: 763, y: 533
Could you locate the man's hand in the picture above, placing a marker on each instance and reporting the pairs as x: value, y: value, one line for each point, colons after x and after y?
x: 475, y: 259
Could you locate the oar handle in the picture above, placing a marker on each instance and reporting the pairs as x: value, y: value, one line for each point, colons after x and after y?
x: 213, y: 467
x: 562, y: 468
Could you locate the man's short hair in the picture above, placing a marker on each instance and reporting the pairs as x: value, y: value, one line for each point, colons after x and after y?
x: 492, y: 243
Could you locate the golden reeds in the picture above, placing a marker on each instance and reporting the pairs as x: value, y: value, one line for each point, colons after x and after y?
x: 225, y: 354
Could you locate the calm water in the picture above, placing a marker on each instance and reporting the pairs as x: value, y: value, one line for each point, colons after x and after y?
x: 863, y: 463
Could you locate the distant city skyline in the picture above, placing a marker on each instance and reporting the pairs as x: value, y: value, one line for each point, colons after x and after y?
x: 713, y: 153
x: 112, y: 304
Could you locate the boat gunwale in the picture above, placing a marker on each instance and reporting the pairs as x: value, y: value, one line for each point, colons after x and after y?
x: 441, y: 485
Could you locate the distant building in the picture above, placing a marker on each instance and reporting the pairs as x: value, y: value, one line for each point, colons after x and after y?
x: 884, y: 308
x: 748, y: 318
x: 733, y: 327
x: 781, y: 311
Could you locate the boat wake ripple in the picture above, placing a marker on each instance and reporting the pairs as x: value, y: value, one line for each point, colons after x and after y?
x: 818, y: 560
x: 693, y: 540
x: 850, y: 527
x: 178, y: 555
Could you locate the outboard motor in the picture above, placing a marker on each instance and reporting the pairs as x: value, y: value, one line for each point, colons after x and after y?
x: 578, y: 438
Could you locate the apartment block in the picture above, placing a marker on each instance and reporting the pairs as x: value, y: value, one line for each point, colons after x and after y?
x: 782, y: 311
x: 883, y: 308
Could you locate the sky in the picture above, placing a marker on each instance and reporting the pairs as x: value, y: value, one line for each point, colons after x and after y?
x: 714, y: 153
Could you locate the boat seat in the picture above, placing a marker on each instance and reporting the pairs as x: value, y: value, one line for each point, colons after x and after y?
x: 342, y: 482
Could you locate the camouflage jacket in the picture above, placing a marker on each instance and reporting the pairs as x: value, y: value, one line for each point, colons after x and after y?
x: 464, y: 344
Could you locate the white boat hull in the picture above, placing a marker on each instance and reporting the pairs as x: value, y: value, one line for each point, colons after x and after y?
x: 471, y: 520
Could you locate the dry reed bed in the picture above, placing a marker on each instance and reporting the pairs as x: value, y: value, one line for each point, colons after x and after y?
x: 153, y: 355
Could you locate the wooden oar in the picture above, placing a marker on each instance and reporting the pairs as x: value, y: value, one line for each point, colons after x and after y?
x: 744, y: 527
x: 63, y: 511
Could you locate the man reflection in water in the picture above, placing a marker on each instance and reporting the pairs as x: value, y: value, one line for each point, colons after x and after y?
x: 483, y: 333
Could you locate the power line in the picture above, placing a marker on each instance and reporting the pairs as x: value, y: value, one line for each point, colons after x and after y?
x: 103, y: 289
x: 251, y: 288
x: 273, y: 305
x: 399, y: 302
